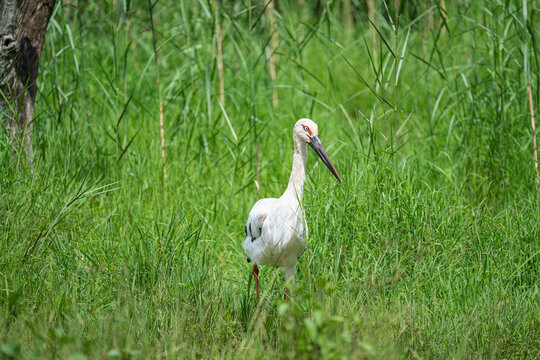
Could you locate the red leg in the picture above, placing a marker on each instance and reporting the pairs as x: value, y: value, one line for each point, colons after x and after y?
x: 287, y: 295
x: 256, y: 276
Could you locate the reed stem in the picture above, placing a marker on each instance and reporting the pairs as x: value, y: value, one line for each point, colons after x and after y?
x: 156, y: 60
x: 533, y: 127
x: 219, y: 50
x: 274, y: 43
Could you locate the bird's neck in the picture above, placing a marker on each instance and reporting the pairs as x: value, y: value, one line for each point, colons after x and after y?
x: 295, y: 188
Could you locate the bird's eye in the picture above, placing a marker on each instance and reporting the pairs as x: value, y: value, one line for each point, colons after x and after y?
x: 306, y: 128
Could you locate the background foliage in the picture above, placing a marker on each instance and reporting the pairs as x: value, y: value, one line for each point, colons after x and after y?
x: 430, y: 248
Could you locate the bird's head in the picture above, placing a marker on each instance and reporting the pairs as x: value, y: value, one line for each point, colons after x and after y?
x: 306, y: 130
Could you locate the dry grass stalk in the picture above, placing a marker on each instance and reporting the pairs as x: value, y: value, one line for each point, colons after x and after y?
x: 274, y: 43
x: 371, y: 14
x: 161, y: 127
x: 219, y: 34
x: 533, y: 127
x: 430, y: 15
x: 443, y: 15
x: 348, y: 14
x: 442, y: 11
x: 257, y: 179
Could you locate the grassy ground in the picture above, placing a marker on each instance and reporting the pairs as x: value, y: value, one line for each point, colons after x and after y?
x: 430, y: 248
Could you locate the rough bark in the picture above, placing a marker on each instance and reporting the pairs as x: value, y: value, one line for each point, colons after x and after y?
x: 23, y: 24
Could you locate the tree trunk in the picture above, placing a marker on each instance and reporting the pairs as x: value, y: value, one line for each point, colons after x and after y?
x: 22, y: 32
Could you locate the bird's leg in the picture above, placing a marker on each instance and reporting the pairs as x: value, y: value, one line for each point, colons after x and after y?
x: 256, y: 276
x: 289, y: 279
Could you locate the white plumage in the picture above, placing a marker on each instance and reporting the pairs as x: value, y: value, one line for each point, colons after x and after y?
x: 276, y: 230
x: 275, y: 233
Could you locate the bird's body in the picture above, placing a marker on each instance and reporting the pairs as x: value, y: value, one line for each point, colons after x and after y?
x: 276, y: 230
x: 283, y: 237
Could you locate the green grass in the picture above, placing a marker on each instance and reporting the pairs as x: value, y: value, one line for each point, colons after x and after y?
x: 429, y: 249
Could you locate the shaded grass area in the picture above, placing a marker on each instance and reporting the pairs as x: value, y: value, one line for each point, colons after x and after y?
x: 429, y: 249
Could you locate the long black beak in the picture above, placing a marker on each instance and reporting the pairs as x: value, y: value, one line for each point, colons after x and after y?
x: 319, y: 149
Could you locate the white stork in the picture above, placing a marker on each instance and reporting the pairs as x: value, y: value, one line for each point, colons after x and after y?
x: 276, y: 230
